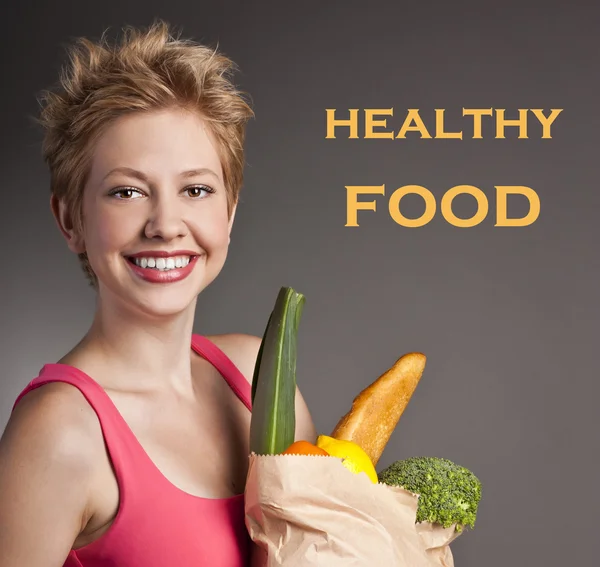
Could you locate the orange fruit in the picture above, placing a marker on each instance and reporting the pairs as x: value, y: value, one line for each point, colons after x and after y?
x: 304, y: 448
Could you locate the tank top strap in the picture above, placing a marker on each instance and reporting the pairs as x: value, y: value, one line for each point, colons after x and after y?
x: 121, y: 443
x: 230, y: 372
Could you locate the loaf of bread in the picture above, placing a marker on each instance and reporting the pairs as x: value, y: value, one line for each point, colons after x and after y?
x: 377, y: 409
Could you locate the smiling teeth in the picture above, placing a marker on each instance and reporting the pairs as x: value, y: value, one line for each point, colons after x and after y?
x: 163, y: 264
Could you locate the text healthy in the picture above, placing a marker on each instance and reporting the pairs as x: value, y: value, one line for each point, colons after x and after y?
x: 372, y: 123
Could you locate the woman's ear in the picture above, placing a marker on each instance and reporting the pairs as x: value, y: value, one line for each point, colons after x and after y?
x: 64, y: 221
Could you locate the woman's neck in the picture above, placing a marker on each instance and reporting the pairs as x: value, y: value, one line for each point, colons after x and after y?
x: 132, y: 351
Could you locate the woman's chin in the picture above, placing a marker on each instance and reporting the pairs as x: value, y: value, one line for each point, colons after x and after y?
x: 166, y: 308
x: 153, y: 301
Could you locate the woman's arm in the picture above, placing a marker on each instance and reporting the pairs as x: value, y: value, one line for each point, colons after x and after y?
x: 242, y: 349
x: 305, y: 428
x: 47, y: 456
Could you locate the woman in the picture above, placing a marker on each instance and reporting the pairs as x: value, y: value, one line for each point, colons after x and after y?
x: 132, y: 449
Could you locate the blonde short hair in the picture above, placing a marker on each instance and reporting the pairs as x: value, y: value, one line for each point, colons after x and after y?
x: 149, y: 69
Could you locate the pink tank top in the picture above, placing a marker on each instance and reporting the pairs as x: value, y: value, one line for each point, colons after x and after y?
x: 158, y: 525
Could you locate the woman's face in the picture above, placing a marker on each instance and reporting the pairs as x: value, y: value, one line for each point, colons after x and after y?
x: 156, y: 225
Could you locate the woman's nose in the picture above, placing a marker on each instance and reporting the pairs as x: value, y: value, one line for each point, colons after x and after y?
x: 165, y: 221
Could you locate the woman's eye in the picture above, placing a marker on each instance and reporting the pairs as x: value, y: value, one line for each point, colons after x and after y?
x: 198, y: 190
x: 125, y: 193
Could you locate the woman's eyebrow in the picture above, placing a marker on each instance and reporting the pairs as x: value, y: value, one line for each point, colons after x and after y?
x: 200, y: 171
x: 131, y: 172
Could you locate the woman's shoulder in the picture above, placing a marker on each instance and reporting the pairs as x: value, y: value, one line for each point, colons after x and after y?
x: 241, y: 349
x: 55, y: 422
x: 49, y: 455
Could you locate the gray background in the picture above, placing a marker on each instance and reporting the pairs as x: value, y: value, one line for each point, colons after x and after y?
x: 507, y: 317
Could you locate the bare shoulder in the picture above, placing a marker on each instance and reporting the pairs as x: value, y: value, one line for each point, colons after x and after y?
x: 49, y: 451
x: 55, y: 422
x: 242, y: 350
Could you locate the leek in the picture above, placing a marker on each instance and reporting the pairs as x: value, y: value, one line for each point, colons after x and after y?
x: 273, y: 421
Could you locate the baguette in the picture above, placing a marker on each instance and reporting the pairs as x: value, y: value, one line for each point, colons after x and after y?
x: 377, y: 409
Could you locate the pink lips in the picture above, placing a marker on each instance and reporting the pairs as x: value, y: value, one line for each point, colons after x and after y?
x: 153, y: 275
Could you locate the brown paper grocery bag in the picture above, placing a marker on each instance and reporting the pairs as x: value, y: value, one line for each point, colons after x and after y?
x: 436, y: 541
x: 309, y: 511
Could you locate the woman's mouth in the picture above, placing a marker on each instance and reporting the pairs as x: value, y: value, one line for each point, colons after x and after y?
x: 163, y: 264
x: 162, y: 269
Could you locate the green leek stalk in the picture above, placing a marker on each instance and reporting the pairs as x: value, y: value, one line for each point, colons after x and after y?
x: 273, y: 421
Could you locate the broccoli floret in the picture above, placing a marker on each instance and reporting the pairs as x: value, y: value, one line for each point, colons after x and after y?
x: 448, y: 493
